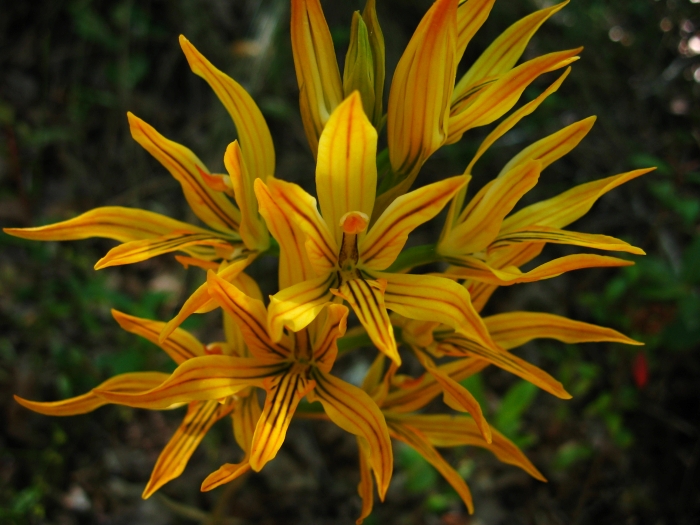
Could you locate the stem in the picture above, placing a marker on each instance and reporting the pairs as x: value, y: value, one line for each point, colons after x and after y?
x: 416, y: 256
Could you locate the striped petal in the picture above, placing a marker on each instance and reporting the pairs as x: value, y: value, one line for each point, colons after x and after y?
x: 354, y: 411
x: 366, y: 486
x: 110, y: 222
x: 200, y: 417
x: 252, y: 131
x: 325, y: 344
x: 420, y: 443
x: 211, y: 206
x: 453, y: 431
x: 225, y: 474
x: 385, y: 240
x: 295, y: 307
x: 514, y: 329
x: 180, y: 345
x: 367, y: 300
x: 250, y: 316
x: 284, y: 392
x: 471, y: 15
x: 346, y: 169
x: 200, y: 379
x: 126, y: 383
x: 376, y: 42
x: 318, y: 76
x: 558, y: 236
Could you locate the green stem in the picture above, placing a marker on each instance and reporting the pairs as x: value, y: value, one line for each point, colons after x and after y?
x: 416, y: 256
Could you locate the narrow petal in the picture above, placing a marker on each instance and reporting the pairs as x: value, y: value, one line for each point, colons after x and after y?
x: 300, y: 208
x: 316, y: 66
x: 387, y: 237
x: 453, y: 431
x: 325, y: 344
x: 366, y: 486
x: 354, y: 411
x: 471, y: 15
x: 110, y: 222
x: 431, y: 298
x: 376, y: 42
x: 200, y: 417
x: 367, y: 300
x: 180, y: 345
x: 418, y: 441
x: 284, y: 392
x: 358, y: 74
x: 295, y: 307
x: 211, y: 206
x: 249, y: 314
x: 514, y: 329
x: 346, y: 169
x: 565, y: 208
x: 558, y: 236
x: 200, y: 379
x: 225, y: 474
x: 127, y: 383
x: 245, y: 419
x: 252, y: 131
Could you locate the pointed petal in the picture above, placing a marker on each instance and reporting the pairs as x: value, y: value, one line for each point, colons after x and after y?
x: 295, y: 307
x: 325, y: 344
x: 387, y: 237
x: 316, y: 66
x: 284, y: 392
x: 200, y: 379
x: 471, y: 15
x: 366, y: 486
x: 419, y: 99
x: 211, y: 206
x: 455, y: 345
x: 418, y: 441
x: 354, y: 411
x: 225, y: 474
x: 346, y: 170
x: 431, y: 298
x: 130, y: 382
x: 495, y: 100
x: 300, y: 208
x: 249, y: 314
x: 200, y: 417
x: 514, y: 329
x: 180, y: 345
x: 558, y: 236
x: 358, y: 74
x: 454, y: 431
x: 111, y: 222
x: 252, y: 229
x: 367, y: 300
x: 253, y: 133
x: 565, y: 208
x: 376, y: 42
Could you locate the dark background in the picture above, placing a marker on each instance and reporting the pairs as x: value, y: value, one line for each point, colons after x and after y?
x: 625, y: 450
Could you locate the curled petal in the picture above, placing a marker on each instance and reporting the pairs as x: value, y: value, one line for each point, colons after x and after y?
x: 325, y: 344
x: 225, y: 474
x: 558, y: 236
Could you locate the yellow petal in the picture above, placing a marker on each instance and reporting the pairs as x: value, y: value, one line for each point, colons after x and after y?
x: 245, y: 419
x: 325, y: 344
x: 387, y: 237
x: 418, y: 441
x: 250, y: 316
x: 130, y: 382
x: 225, y: 474
x: 200, y: 379
x: 300, y: 209
x: 419, y: 99
x: 455, y: 345
x: 517, y: 328
x: 180, y: 345
x: 253, y: 133
x: 367, y: 300
x: 366, y: 487
x: 346, y: 169
x: 493, y: 101
x: 294, y: 264
x: 471, y: 14
x: 358, y: 74
x: 284, y: 392
x: 186, y: 262
x: 172, y: 461
x: 454, y: 431
x: 252, y: 229
x: 354, y: 411
x: 317, y: 70
x: 111, y: 222
x: 295, y: 307
x: 558, y: 236
x: 376, y: 42
x: 211, y: 206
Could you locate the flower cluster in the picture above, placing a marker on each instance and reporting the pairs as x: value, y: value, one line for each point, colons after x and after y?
x: 345, y: 250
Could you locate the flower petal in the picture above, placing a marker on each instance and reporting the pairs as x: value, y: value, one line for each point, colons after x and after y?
x: 514, y: 329
x: 346, y: 169
x: 471, y: 15
x: 253, y: 133
x: 387, y: 237
x: 354, y: 411
x: 225, y: 474
x: 245, y: 419
x: 211, y: 206
x: 558, y: 236
x: 376, y: 42
x: 200, y: 417
x: 130, y: 382
x: 366, y: 486
x: 325, y: 344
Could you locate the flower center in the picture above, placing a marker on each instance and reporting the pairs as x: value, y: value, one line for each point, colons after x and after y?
x: 352, y: 223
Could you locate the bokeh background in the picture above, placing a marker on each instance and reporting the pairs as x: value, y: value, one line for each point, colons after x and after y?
x: 625, y: 450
